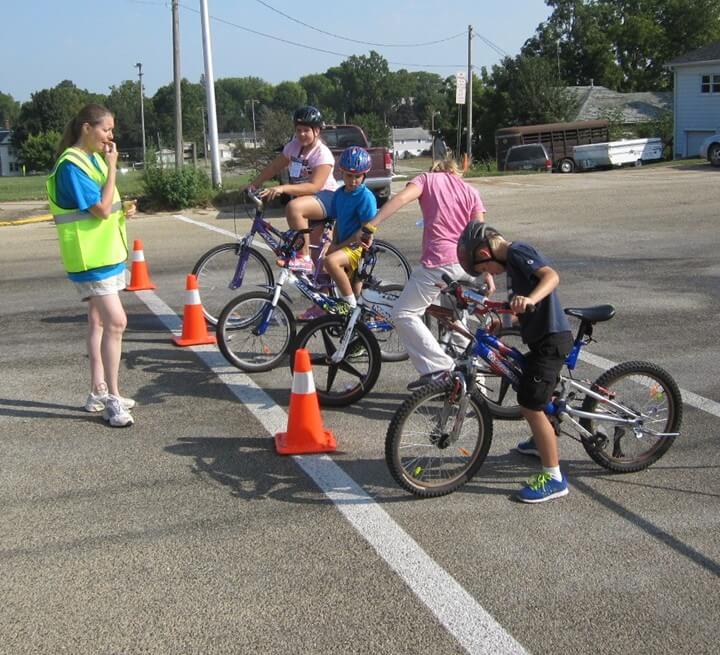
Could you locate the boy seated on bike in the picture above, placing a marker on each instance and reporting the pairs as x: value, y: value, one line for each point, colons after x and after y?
x: 352, y: 206
x: 544, y: 329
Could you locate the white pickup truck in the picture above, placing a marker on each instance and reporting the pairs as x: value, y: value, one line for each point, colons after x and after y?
x: 618, y: 153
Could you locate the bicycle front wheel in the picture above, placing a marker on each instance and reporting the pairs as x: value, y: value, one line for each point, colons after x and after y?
x: 423, y: 455
x: 254, y: 334
x: 635, y: 389
x: 339, y: 384
x: 216, y: 269
x: 391, y: 267
x: 501, y: 397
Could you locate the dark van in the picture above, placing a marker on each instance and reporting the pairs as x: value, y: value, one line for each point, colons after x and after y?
x: 532, y: 157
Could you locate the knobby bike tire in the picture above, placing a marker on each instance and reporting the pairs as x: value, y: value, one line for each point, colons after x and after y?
x: 215, y: 270
x: 392, y: 267
x: 235, y: 331
x: 641, y: 387
x: 341, y: 384
x: 434, y: 467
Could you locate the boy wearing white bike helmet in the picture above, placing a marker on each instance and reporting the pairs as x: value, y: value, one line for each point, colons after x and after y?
x: 353, y: 205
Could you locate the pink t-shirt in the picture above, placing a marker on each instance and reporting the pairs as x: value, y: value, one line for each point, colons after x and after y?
x: 448, y: 204
x: 302, y: 166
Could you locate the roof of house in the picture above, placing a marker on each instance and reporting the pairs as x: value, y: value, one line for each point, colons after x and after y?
x: 596, y: 101
x: 411, y: 134
x: 5, y: 136
x: 709, y: 52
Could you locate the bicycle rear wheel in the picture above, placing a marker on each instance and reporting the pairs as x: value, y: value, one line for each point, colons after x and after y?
x: 253, y: 334
x: 215, y: 271
x: 345, y: 382
x: 391, y: 346
x: 391, y: 267
x: 640, y: 388
x: 421, y: 454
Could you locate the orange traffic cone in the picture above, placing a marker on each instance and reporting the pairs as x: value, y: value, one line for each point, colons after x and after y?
x: 306, y: 433
x: 194, y: 327
x: 139, y: 274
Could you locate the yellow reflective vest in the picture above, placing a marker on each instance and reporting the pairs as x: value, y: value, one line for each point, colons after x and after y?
x: 86, y: 241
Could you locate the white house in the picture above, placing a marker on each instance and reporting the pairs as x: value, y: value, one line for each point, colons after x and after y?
x: 410, y: 141
x: 8, y: 155
x: 697, y: 98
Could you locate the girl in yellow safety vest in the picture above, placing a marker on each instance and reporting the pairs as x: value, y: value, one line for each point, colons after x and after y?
x: 90, y: 222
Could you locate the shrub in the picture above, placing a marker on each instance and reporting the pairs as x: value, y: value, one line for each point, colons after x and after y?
x: 172, y: 189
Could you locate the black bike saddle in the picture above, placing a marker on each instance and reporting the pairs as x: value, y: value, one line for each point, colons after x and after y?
x: 596, y: 314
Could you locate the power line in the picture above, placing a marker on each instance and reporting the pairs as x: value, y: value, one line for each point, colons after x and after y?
x: 489, y: 43
x: 347, y: 38
x: 308, y: 47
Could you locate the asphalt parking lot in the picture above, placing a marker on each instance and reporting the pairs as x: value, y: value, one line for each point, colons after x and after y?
x: 187, y: 533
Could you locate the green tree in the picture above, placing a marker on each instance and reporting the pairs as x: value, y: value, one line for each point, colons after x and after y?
x: 52, y: 109
x: 9, y: 110
x: 193, y: 99
x: 288, y: 96
x: 376, y: 131
x: 38, y: 151
x: 364, y: 81
x: 124, y: 102
x: 323, y: 93
x: 232, y: 99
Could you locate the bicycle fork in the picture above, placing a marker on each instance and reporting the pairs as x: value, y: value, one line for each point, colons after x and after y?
x: 269, y: 309
x: 339, y: 354
x: 445, y: 437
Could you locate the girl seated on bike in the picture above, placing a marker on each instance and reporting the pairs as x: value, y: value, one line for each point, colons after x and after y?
x: 352, y: 206
x: 310, y: 164
x: 546, y: 332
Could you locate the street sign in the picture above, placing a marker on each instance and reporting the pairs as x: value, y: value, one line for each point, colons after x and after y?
x: 460, y: 84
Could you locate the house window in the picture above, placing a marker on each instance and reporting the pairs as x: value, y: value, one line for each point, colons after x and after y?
x: 710, y: 84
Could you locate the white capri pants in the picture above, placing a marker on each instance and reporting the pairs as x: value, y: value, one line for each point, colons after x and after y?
x: 420, y: 291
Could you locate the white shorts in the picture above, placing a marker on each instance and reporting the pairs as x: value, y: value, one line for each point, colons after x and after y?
x: 105, y: 287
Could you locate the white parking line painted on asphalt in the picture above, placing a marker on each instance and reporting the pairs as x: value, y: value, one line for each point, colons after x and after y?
x: 459, y: 613
x: 219, y: 230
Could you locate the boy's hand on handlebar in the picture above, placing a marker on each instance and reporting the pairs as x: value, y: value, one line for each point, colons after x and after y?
x: 521, y: 304
x: 489, y: 281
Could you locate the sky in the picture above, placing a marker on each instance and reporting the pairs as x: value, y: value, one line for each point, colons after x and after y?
x: 97, y: 44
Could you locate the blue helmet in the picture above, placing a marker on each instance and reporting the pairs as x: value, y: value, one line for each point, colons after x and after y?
x: 355, y: 160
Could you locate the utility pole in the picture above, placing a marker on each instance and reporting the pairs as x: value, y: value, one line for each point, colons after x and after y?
x: 205, y: 146
x: 210, y: 95
x: 252, y: 105
x: 178, y: 91
x: 142, y: 108
x: 469, y: 97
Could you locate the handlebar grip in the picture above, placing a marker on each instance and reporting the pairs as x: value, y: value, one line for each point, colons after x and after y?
x: 254, y: 198
x: 529, y: 309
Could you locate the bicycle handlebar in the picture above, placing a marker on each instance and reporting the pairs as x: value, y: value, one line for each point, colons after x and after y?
x: 462, y: 295
x: 254, y: 198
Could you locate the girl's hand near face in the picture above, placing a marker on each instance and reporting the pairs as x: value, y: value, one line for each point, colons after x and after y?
x: 111, y: 153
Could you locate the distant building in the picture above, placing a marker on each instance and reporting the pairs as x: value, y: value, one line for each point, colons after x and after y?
x: 596, y: 102
x: 697, y: 98
x: 410, y: 141
x: 9, y: 165
x: 244, y: 139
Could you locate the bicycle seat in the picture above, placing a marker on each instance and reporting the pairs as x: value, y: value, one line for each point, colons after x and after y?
x: 596, y: 314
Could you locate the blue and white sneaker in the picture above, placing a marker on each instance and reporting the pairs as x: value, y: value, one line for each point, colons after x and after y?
x: 542, y: 487
x: 527, y: 448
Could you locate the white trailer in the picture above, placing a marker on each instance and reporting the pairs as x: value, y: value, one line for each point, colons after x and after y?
x: 618, y: 153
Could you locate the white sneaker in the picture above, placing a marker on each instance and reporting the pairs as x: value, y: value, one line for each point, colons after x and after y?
x: 115, y: 414
x: 96, y: 402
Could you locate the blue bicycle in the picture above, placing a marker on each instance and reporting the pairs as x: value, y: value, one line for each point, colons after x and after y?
x: 439, y: 437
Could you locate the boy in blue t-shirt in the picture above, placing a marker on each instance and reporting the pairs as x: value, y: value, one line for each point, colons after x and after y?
x: 352, y: 206
x: 546, y: 331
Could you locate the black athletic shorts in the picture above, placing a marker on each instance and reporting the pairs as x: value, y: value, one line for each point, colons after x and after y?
x: 544, y: 361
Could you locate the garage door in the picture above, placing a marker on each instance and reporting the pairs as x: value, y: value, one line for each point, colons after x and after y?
x: 693, y: 139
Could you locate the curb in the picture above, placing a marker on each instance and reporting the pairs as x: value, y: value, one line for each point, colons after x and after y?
x: 31, y: 219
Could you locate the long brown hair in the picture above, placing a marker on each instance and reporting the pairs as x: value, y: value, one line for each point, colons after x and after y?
x: 92, y: 114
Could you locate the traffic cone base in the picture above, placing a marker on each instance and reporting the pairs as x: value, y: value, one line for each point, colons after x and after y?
x: 139, y: 274
x: 194, y: 332
x: 305, y: 433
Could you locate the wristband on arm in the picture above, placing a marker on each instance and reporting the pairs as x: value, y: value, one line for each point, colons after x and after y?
x: 369, y: 229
